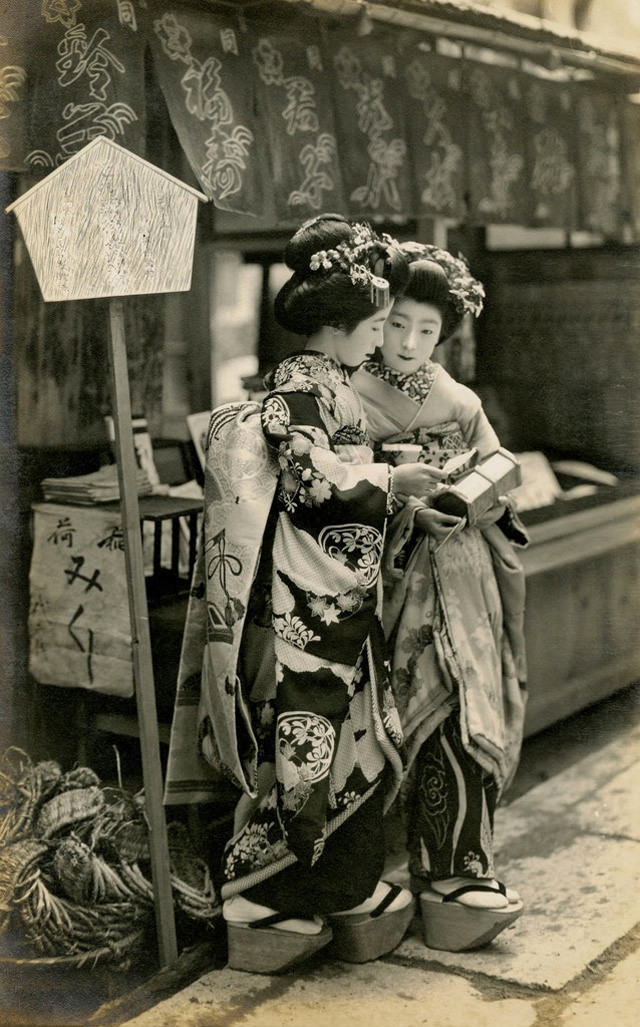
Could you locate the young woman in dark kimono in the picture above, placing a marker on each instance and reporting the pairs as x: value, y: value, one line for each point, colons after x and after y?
x: 293, y: 699
x: 453, y: 612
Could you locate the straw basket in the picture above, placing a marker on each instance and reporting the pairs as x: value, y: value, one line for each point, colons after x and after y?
x: 75, y: 878
x: 57, y: 927
x: 193, y: 891
x: 15, y: 863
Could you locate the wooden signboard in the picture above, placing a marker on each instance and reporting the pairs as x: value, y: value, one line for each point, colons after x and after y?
x: 108, y: 223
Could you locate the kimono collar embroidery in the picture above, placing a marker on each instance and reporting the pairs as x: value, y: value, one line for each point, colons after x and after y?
x: 416, y: 385
x: 308, y: 364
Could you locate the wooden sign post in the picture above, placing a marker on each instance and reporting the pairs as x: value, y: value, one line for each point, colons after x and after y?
x: 108, y: 223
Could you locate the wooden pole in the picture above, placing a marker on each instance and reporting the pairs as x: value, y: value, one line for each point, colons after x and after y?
x: 140, y: 638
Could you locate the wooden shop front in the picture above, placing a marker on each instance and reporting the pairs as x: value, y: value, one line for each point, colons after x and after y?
x: 514, y: 143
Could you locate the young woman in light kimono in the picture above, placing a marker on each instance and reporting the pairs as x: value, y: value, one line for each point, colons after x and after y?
x: 283, y: 674
x: 453, y: 613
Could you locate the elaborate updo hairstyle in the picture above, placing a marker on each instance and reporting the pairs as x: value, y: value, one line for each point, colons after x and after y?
x: 429, y: 284
x: 439, y: 278
x: 326, y: 294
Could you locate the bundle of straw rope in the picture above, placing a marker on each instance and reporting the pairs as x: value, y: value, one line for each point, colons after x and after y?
x: 75, y: 878
x: 22, y: 787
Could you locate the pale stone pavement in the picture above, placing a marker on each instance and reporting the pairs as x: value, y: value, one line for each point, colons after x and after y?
x: 571, y: 845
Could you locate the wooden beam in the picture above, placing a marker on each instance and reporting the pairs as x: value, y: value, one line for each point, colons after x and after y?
x: 574, y: 50
x: 191, y: 964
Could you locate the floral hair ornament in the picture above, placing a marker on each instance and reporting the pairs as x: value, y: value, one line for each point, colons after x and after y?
x: 353, y: 258
x: 467, y: 293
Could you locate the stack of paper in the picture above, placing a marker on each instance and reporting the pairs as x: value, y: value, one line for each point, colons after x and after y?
x: 87, y: 489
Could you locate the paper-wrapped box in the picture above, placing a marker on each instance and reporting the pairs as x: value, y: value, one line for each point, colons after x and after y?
x: 480, y: 488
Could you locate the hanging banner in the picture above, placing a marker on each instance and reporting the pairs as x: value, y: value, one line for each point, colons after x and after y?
x: 370, y: 122
x: 14, y: 79
x: 79, y: 631
x: 599, y: 154
x: 205, y: 70
x: 284, y: 117
x: 436, y: 109
x: 85, y: 79
x: 496, y: 145
x: 551, y: 152
x: 294, y: 97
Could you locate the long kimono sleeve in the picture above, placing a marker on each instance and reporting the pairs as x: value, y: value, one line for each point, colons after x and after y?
x: 326, y: 561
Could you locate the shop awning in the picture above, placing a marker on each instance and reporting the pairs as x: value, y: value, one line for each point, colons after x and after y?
x: 420, y: 108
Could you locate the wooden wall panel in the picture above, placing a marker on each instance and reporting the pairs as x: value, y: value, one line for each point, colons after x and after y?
x: 581, y: 624
x: 559, y: 344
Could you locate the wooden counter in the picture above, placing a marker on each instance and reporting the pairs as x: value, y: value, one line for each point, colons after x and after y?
x: 583, y: 605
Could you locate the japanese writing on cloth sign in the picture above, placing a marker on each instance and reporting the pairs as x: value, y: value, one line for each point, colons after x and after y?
x: 437, y: 131
x: 86, y: 78
x: 295, y: 97
x: 78, y: 614
x: 370, y: 122
x: 600, y: 161
x: 13, y: 86
x: 551, y: 161
x: 205, y: 70
x: 497, y: 146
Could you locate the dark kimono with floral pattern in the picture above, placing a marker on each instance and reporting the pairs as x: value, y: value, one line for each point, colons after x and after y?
x: 297, y: 710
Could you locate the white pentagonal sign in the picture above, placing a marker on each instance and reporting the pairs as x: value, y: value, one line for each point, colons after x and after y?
x: 108, y: 223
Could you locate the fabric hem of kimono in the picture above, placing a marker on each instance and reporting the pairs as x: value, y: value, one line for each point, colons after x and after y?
x: 389, y: 750
x: 480, y: 748
x: 230, y: 888
x: 425, y: 728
